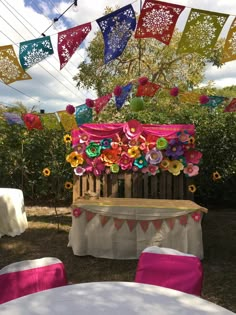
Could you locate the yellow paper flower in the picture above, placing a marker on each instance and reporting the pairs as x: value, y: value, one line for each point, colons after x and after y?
x: 67, y: 138
x: 165, y: 164
x: 68, y: 185
x: 175, y: 167
x: 75, y: 159
x: 216, y: 176
x: 134, y: 152
x: 192, y: 188
x: 46, y: 172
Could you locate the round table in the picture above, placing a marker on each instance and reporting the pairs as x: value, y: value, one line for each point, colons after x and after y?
x: 113, y: 298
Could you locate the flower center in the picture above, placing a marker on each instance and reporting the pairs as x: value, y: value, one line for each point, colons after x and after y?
x: 132, y: 129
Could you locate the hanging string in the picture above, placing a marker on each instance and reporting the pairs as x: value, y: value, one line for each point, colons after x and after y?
x: 139, y: 46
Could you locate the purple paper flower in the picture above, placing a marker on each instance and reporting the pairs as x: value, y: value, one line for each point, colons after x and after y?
x: 89, y: 102
x: 174, y: 149
x: 174, y: 91
x: 154, y: 156
x: 143, y: 80
x: 117, y: 90
x: 70, y: 109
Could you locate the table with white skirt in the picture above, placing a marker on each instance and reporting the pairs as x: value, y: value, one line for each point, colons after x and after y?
x: 13, y: 220
x: 121, y: 228
x: 106, y: 298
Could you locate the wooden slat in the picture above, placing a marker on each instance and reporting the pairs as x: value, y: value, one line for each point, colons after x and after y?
x: 76, y: 187
x: 153, y: 186
x: 134, y: 185
x: 84, y: 184
x: 145, y: 184
x: 91, y: 182
x: 162, y: 176
x: 169, y: 193
x: 128, y: 185
x: 98, y: 185
x: 114, y: 185
x: 104, y: 185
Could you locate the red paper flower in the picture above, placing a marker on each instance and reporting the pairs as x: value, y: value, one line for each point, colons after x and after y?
x: 70, y: 109
x: 132, y: 129
x: 89, y: 102
x: 143, y: 80
x: 117, y: 90
x: 174, y: 91
x: 204, y: 99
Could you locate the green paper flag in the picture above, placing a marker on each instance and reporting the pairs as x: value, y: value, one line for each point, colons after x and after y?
x: 201, y: 32
x: 50, y: 121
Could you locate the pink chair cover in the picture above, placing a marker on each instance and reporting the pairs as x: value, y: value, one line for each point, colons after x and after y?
x: 23, y: 282
x: 182, y: 273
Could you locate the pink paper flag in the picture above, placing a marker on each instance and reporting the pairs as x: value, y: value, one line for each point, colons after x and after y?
x: 101, y: 102
x: 144, y: 225
x: 103, y: 219
x: 183, y: 219
x: 69, y: 40
x: 118, y: 223
x: 157, y: 223
x: 171, y: 223
x: 77, y: 212
x: 196, y: 216
x: 131, y: 224
x: 90, y: 215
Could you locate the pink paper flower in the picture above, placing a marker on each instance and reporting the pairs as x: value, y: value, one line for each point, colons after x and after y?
x: 70, y: 109
x: 204, y: 99
x: 77, y: 212
x: 193, y: 156
x: 95, y: 165
x: 132, y: 129
x: 126, y: 161
x: 89, y: 102
x: 174, y: 91
x: 196, y: 216
x: 191, y: 170
x: 143, y: 80
x: 117, y: 90
x: 153, y: 169
x: 79, y: 171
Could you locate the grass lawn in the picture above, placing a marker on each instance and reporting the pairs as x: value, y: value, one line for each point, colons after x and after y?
x: 43, y: 238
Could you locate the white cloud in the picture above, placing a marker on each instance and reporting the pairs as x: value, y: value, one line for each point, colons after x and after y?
x: 52, y: 89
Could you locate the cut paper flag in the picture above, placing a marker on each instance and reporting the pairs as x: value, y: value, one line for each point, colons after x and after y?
x: 50, y: 121
x: 10, y: 68
x: 201, y: 32
x: 13, y: 119
x: 214, y: 101
x: 83, y: 114
x: 101, y: 102
x: 69, y: 40
x: 32, y: 121
x: 158, y: 20
x: 68, y: 121
x: 120, y: 100
x: 149, y: 89
x: 189, y: 97
x: 117, y: 28
x: 33, y: 51
x: 229, y: 52
x: 231, y: 107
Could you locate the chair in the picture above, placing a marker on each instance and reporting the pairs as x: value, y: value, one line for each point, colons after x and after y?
x: 170, y: 268
x: 30, y: 276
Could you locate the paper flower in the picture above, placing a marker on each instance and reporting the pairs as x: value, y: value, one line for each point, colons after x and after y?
x: 46, y: 172
x: 175, y: 167
x: 196, y: 216
x: 93, y: 149
x: 115, y: 168
x: 110, y: 156
x: 154, y: 156
x: 134, y: 152
x: 192, y: 188
x: 137, y: 104
x: 161, y: 143
x: 191, y: 170
x: 193, y: 156
x: 174, y: 149
x: 126, y: 161
x: 80, y: 148
x: 67, y: 138
x: 95, y: 165
x: 140, y: 162
x: 117, y: 90
x: 165, y: 164
x: 132, y: 129
x: 106, y: 143
x: 84, y: 138
x: 216, y: 176
x: 89, y: 102
x: 143, y: 80
x: 75, y: 159
x: 70, y: 109
x: 183, y: 136
x: 174, y: 91
x: 153, y: 169
x: 203, y: 99
x: 79, y: 171
x: 68, y: 185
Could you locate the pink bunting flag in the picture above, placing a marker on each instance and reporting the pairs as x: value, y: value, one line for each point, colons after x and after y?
x: 196, y: 216
x: 149, y: 89
x: 171, y: 223
x: 103, y: 219
x: 32, y: 121
x: 157, y: 20
x: 231, y: 107
x: 77, y: 212
x: 101, y: 102
x: 90, y: 215
x: 157, y: 223
x: 69, y: 40
x: 118, y: 223
x: 183, y: 219
x: 131, y: 224
x: 144, y: 225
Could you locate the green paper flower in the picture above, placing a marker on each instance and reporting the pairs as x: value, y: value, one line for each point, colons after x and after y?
x: 93, y: 149
x: 140, y: 162
x: 115, y: 168
x: 161, y: 143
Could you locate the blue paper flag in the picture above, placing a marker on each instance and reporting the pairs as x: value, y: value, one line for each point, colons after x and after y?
x: 117, y: 28
x: 124, y: 94
x: 214, y: 101
x: 13, y: 119
x: 83, y: 114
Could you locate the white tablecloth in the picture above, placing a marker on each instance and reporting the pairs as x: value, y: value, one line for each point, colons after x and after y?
x: 89, y: 236
x: 111, y: 298
x: 13, y: 220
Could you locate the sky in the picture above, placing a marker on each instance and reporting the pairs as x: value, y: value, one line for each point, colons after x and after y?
x: 52, y: 89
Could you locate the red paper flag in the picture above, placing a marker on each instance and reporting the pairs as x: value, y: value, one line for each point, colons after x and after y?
x: 149, y: 89
x: 101, y: 102
x: 90, y: 215
x: 231, y: 107
x: 157, y: 20
x: 69, y: 40
x: 32, y: 121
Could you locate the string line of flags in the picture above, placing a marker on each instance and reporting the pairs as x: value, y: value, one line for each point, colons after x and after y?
x: 157, y: 20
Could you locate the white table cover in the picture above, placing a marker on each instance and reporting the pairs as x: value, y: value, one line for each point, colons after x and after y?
x: 90, y: 237
x: 111, y: 298
x: 13, y: 220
